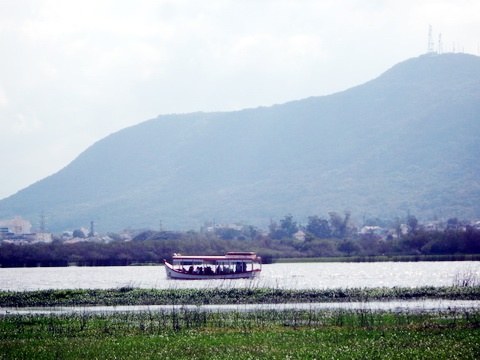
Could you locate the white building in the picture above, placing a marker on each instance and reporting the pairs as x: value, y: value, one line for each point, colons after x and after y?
x: 43, y: 237
x: 17, y: 226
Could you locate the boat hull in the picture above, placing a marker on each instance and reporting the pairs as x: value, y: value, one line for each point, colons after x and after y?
x: 180, y: 275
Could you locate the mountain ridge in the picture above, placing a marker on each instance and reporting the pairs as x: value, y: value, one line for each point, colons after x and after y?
x: 404, y: 142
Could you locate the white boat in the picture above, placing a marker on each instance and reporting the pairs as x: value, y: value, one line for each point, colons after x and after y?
x: 233, y: 265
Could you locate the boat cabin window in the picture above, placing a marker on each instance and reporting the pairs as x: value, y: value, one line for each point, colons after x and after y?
x: 232, y: 266
x: 187, y: 262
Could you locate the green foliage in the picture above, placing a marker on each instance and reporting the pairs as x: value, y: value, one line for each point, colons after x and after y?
x: 286, y: 229
x: 319, y: 227
x: 339, y: 225
x: 412, y: 223
x: 78, y: 234
x: 466, y: 289
x: 182, y: 332
x: 154, y: 246
x: 261, y: 334
x: 348, y: 247
x: 288, y: 226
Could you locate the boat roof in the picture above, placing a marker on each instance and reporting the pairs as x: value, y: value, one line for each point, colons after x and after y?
x: 229, y: 256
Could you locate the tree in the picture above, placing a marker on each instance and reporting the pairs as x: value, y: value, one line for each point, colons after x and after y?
x: 339, y: 226
x: 454, y: 223
x: 348, y: 247
x: 274, y: 230
x: 286, y: 229
x: 398, y: 227
x: 412, y: 223
x: 319, y: 227
x: 227, y: 233
x: 288, y: 226
x: 78, y: 234
x: 321, y: 248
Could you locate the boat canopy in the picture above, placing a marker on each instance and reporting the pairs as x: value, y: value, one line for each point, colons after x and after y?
x: 242, y: 256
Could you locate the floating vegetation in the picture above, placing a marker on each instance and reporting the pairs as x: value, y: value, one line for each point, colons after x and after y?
x: 225, y: 296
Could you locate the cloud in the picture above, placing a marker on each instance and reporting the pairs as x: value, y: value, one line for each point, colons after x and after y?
x: 22, y: 124
x: 3, y: 98
x: 82, y: 70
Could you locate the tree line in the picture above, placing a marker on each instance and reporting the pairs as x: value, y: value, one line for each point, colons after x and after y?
x: 323, y: 238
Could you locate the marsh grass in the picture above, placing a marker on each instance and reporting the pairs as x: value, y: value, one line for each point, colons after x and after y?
x: 266, y: 334
x: 224, y: 296
x: 186, y: 332
x: 467, y: 278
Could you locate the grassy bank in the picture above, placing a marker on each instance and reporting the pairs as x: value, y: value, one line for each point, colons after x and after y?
x: 294, y: 334
x: 219, y: 296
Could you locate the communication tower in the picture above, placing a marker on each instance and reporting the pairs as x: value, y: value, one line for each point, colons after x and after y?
x: 440, y: 44
x: 42, y: 223
x: 92, y: 229
x: 431, y: 46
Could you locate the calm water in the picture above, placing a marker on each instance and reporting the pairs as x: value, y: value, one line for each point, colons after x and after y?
x: 417, y: 306
x: 284, y: 276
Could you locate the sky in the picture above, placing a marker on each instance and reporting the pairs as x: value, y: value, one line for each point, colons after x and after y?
x: 73, y: 72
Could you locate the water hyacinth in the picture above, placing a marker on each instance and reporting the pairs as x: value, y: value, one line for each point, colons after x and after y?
x: 224, y: 296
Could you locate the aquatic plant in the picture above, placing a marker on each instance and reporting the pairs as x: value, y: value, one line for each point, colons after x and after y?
x: 223, y: 296
x: 268, y: 333
x: 467, y: 277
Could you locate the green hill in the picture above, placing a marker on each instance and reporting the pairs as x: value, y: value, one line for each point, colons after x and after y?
x: 406, y: 141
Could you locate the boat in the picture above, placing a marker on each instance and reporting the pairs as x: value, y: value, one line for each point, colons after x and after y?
x: 233, y: 265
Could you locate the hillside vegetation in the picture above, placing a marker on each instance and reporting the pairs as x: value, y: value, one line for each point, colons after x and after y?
x: 406, y: 142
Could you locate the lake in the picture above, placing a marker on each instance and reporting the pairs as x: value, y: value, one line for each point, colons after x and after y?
x: 283, y: 276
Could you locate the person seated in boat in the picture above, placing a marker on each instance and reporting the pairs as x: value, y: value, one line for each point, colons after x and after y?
x: 238, y: 267
x: 218, y: 270
x: 190, y: 270
x: 208, y: 270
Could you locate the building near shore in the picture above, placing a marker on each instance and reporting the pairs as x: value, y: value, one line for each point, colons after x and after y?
x: 19, y: 231
x: 17, y: 226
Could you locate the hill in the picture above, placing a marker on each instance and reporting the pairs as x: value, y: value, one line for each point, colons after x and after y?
x: 405, y: 142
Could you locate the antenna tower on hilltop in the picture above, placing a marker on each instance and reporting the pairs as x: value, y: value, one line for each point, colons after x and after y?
x: 440, y: 44
x: 431, y: 47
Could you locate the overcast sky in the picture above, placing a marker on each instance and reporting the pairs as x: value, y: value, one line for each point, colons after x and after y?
x: 73, y: 72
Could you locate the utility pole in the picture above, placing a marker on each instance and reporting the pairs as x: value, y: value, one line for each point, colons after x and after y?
x: 92, y: 229
x: 43, y: 226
